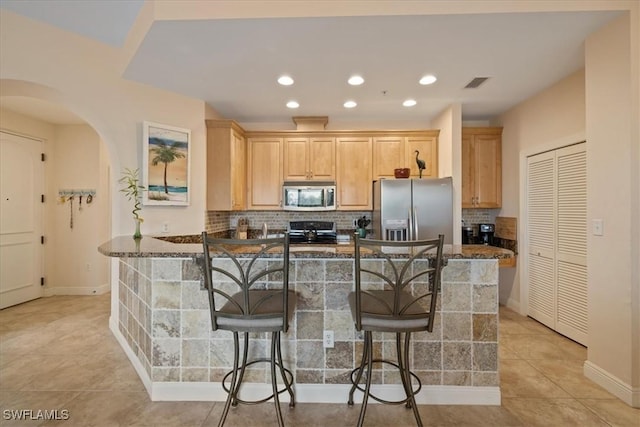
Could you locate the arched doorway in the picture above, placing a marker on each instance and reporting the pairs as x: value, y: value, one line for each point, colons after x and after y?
x: 77, y: 163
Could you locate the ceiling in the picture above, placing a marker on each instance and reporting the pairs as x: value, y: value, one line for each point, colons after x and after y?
x: 233, y: 64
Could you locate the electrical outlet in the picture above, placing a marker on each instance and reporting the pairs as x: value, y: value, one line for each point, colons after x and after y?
x: 165, y: 227
x: 328, y: 339
x: 88, y: 267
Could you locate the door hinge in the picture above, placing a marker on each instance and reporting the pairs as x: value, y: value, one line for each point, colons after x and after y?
x: 42, y: 281
x: 42, y: 198
x: 43, y: 157
x: 42, y: 240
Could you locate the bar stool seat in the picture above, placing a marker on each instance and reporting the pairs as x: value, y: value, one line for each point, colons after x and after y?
x: 398, y: 297
x: 249, y: 293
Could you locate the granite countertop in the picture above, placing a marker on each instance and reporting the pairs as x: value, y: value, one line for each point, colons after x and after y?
x: 152, y: 247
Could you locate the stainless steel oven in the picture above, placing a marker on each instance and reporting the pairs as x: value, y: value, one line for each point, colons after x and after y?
x: 309, y: 196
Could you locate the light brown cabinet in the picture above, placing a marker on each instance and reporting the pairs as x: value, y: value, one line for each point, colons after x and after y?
x: 354, y: 158
x: 246, y: 169
x: 310, y: 159
x: 264, y: 173
x: 398, y: 151
x: 481, y: 167
x: 226, y: 166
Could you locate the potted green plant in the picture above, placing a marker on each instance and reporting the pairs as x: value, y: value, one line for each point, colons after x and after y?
x: 362, y: 226
x: 133, y: 190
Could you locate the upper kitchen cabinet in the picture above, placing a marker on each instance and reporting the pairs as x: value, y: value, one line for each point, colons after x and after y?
x: 354, y: 173
x: 481, y: 167
x: 264, y: 173
x: 399, y: 151
x: 226, y: 166
x: 310, y: 159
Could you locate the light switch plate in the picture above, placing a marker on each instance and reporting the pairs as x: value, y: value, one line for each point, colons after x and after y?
x: 598, y: 227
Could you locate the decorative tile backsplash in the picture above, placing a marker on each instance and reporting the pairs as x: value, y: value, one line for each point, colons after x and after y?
x: 479, y: 216
x: 219, y: 221
x: 279, y: 220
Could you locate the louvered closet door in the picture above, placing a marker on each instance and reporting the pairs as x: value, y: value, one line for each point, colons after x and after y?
x: 541, y: 232
x: 571, y: 252
x: 557, y: 231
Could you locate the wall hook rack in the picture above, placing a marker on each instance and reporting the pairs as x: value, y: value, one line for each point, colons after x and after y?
x: 75, y: 193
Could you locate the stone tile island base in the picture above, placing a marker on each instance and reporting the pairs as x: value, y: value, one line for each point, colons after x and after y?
x: 162, y: 322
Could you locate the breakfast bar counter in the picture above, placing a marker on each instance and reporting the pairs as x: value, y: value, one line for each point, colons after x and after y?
x: 189, y: 246
x: 160, y: 316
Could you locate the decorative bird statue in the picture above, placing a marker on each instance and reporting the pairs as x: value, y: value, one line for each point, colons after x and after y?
x: 421, y: 164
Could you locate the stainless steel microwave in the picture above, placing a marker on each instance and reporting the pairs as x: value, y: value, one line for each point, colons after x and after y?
x: 309, y: 196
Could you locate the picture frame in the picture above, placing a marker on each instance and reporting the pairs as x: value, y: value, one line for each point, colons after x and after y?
x: 166, y: 160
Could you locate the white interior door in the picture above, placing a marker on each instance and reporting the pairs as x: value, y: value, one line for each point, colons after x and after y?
x: 571, y: 248
x: 557, y: 233
x: 541, y: 220
x: 21, y: 189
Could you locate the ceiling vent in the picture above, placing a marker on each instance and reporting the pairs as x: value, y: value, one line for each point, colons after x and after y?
x: 473, y: 84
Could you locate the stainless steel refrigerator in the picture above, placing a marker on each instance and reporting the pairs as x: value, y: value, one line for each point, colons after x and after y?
x: 413, y: 209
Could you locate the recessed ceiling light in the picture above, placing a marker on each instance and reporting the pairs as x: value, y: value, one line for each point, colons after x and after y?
x: 292, y: 104
x: 350, y: 104
x: 409, y: 103
x: 285, y: 80
x: 355, y: 80
x: 428, y: 79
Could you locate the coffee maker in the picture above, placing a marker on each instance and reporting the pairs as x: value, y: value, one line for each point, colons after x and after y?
x: 485, y: 233
x: 469, y: 234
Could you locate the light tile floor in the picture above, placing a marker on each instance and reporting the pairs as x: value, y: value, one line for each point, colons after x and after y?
x: 58, y: 353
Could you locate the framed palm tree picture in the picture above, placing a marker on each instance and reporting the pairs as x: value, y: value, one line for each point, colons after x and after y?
x: 165, y: 164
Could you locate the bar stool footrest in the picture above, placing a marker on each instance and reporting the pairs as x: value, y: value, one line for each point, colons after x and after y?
x: 379, y: 399
x: 255, y: 402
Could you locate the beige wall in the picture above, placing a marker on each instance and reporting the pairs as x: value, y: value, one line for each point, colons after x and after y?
x: 612, y: 184
x: 553, y: 118
x: 601, y: 106
x: 76, y: 159
x: 83, y: 75
x: 449, y: 122
x: 78, y: 163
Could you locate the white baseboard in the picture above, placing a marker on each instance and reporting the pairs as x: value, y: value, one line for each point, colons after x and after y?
x: 328, y: 393
x: 513, y: 304
x: 76, y: 290
x: 611, y: 383
x: 142, y: 373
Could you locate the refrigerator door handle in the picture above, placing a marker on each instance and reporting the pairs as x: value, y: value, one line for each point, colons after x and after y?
x: 415, y: 223
x: 410, y: 228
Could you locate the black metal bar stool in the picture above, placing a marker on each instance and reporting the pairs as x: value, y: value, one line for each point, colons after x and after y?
x: 250, y: 294
x: 402, y: 299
